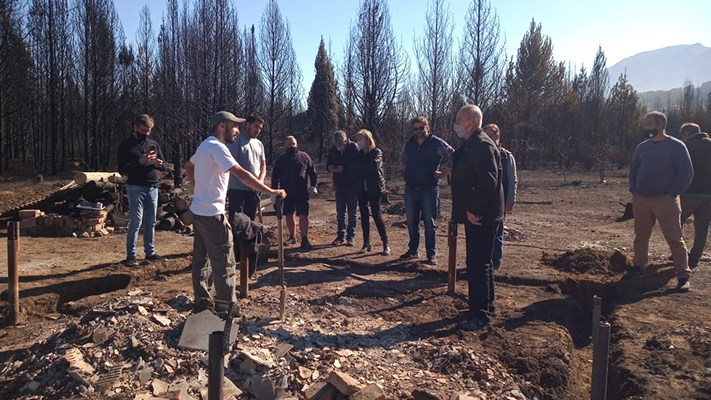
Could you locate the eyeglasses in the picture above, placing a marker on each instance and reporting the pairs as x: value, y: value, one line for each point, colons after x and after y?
x: 418, y: 128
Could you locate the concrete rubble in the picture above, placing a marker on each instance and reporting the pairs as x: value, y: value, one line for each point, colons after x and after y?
x: 127, y: 348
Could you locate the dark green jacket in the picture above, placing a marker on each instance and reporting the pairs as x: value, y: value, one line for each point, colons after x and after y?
x: 699, y: 147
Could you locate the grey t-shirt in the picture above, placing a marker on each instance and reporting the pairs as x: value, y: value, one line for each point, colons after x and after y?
x: 249, y: 154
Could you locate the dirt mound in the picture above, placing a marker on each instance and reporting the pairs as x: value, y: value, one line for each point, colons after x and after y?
x: 546, y: 360
x: 589, y: 261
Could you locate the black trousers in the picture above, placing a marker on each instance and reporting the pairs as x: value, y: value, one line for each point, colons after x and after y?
x: 365, y: 199
x: 242, y: 201
x: 480, y: 271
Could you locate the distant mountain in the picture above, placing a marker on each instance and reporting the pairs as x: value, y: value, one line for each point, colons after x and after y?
x: 666, y: 68
x: 666, y: 99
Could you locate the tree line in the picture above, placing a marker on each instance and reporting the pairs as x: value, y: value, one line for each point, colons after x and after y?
x: 70, y: 82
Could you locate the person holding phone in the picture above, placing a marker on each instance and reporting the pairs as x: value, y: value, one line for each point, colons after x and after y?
x: 141, y: 160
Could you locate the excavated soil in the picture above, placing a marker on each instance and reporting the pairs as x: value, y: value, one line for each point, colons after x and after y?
x: 589, y: 261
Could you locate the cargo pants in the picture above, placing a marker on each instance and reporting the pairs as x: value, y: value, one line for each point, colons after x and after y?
x: 213, y: 258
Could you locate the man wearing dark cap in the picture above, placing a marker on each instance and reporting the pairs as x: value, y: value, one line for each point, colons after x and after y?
x: 209, y: 169
x: 697, y: 199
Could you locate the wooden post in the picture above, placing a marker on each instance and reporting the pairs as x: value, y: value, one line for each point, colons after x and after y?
x: 13, y: 271
x: 601, y: 354
x: 596, y: 315
x: 216, y: 370
x: 243, y: 270
x: 452, y: 243
x: 282, y: 278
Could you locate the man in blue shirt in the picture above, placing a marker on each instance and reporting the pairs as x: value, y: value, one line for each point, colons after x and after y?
x: 425, y: 159
x: 660, y: 171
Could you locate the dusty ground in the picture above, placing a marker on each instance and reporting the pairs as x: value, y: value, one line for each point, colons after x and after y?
x: 661, y: 345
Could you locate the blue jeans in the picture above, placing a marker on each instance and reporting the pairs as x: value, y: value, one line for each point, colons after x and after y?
x: 497, y: 257
x: 142, y: 206
x: 422, y: 205
x: 346, y: 199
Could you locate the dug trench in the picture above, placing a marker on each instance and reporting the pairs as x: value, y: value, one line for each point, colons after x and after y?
x: 75, y: 292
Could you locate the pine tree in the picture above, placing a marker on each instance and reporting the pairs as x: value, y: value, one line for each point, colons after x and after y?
x: 280, y: 74
x: 481, y: 57
x: 433, y: 55
x: 253, y: 86
x: 528, y: 93
x: 593, y: 108
x: 145, y: 61
x: 623, y: 116
x: 380, y: 65
x: 322, y: 103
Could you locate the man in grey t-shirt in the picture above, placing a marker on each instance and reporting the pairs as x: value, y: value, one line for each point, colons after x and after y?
x: 249, y: 153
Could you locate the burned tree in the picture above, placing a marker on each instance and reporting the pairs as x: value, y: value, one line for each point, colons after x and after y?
x: 433, y: 54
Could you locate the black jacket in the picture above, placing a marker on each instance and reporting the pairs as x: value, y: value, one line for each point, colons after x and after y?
x: 477, y: 180
x: 244, y: 229
x: 699, y: 147
x: 336, y: 158
x: 368, y: 172
x: 291, y: 172
x: 129, y: 152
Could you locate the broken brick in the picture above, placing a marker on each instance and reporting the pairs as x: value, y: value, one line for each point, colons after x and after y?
x: 321, y: 391
x: 344, y: 383
x: 370, y: 392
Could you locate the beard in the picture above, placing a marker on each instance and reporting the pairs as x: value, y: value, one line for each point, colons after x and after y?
x: 229, y: 138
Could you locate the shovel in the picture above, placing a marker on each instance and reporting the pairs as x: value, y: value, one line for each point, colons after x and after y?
x: 279, y: 205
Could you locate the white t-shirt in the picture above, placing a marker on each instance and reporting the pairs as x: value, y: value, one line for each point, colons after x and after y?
x: 212, y: 162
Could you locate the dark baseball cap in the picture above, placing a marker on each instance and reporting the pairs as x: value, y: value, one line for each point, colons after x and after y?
x: 224, y: 116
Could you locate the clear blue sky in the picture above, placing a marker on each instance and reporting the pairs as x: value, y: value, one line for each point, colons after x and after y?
x: 622, y: 27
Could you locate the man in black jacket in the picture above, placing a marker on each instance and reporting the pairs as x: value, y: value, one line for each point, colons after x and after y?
x: 141, y: 160
x: 478, y: 203
x: 292, y: 171
x: 697, y: 199
x: 340, y: 156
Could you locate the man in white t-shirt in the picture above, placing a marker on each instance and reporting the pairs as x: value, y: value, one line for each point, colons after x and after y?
x: 209, y: 170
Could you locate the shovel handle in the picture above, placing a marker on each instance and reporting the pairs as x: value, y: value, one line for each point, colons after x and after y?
x: 452, y: 244
x: 279, y: 206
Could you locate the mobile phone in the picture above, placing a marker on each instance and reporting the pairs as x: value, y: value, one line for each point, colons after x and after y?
x: 152, y: 148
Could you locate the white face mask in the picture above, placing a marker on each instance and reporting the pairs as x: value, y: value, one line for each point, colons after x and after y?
x: 362, y: 144
x: 461, y: 130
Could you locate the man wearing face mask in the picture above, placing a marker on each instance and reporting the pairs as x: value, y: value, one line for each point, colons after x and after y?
x: 425, y: 160
x: 660, y: 171
x: 209, y: 170
x: 292, y: 172
x: 340, y: 156
x: 478, y: 203
x: 140, y: 159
